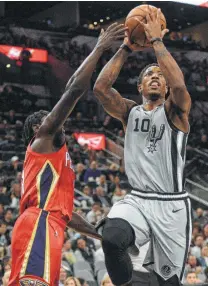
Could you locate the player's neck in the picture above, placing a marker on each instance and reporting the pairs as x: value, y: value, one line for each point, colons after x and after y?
x: 150, y: 104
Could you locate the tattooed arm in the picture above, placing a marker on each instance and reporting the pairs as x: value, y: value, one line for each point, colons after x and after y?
x: 179, y: 102
x: 112, y: 101
x: 82, y: 226
x: 77, y: 86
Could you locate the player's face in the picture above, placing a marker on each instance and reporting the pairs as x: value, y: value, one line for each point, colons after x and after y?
x: 153, y: 84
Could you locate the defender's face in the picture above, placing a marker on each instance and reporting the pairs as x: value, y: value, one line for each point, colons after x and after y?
x: 153, y: 84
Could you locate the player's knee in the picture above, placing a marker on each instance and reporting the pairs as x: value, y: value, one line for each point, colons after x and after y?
x: 117, y: 235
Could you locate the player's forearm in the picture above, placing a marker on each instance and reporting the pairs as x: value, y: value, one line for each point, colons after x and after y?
x: 110, y: 72
x: 75, y: 88
x: 81, y: 78
x: 168, y: 66
x: 82, y: 226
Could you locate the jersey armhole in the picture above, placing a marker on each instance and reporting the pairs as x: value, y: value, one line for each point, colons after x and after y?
x: 170, y: 123
x: 127, y: 116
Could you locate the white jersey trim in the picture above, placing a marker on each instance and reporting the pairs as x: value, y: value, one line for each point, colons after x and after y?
x: 166, y: 196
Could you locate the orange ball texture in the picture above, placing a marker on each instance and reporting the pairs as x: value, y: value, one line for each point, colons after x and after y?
x: 136, y: 30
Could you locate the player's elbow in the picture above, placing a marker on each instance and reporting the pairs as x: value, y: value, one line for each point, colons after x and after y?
x: 98, y: 89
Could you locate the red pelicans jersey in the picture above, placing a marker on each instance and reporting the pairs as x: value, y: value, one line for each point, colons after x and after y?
x: 48, y: 182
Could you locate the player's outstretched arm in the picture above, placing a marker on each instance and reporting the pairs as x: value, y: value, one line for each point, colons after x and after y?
x: 179, y: 102
x: 82, y: 226
x: 80, y: 81
x: 112, y: 101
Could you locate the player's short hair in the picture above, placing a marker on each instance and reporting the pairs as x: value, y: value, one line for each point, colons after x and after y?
x: 139, y: 81
x: 31, y: 120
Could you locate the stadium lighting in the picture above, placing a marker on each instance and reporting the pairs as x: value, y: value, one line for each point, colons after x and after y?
x: 95, y: 23
x: 101, y: 20
x: 8, y: 66
x: 107, y: 18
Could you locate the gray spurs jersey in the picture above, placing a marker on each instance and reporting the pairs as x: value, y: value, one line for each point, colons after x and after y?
x: 154, y: 151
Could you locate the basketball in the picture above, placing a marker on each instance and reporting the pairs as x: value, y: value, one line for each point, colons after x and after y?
x: 136, y: 31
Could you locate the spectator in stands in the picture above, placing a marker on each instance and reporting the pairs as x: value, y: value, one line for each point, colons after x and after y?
x: 206, y: 274
x: 76, y: 154
x: 5, y: 278
x: 68, y: 253
x: 6, y: 263
x: 121, y: 174
x: 203, y: 259
x: 80, y: 171
x: 95, y: 123
x: 120, y: 137
x: 1, y: 211
x: 196, y: 229
x: 106, y: 281
x: 198, y: 244
x: 85, y: 152
x: 15, y: 194
x: 83, y: 252
x: 191, y: 278
x: 4, y: 241
x: 101, y: 197
x: 95, y: 214
x: 4, y: 195
x: 194, y: 265
x: 101, y: 158
x: 79, y: 122
x: 18, y: 177
x: 204, y: 142
x: 62, y: 276
x: 200, y: 217
x: 118, y: 195
x: 113, y: 170
x: 15, y: 165
x: 115, y: 184
x: 205, y: 232
x: 86, y: 202
x: 11, y: 118
x: 8, y: 217
x: 72, y: 281
x: 103, y: 183
x: 92, y: 173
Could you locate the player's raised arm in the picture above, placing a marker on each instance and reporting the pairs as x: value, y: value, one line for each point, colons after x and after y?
x: 179, y: 102
x: 80, y: 81
x: 112, y: 101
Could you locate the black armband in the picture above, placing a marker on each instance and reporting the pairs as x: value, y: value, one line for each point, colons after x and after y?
x: 126, y: 48
x: 156, y: 40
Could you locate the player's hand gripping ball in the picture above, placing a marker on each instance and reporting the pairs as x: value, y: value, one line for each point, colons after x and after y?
x: 137, y: 18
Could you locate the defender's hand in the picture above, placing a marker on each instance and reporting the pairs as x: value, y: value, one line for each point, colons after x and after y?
x: 107, y: 38
x: 133, y: 47
x: 153, y: 26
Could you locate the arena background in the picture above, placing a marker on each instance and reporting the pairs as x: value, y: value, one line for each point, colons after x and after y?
x: 41, y: 45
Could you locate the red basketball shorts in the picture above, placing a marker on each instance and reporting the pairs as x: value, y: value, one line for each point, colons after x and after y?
x: 37, y: 241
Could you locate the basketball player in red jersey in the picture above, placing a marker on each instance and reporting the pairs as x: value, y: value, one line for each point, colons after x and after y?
x: 48, y: 182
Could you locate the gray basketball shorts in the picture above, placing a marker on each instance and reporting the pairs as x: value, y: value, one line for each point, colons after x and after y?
x: 162, y: 225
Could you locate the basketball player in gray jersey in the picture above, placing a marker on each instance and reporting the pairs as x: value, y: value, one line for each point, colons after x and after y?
x: 157, y: 212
